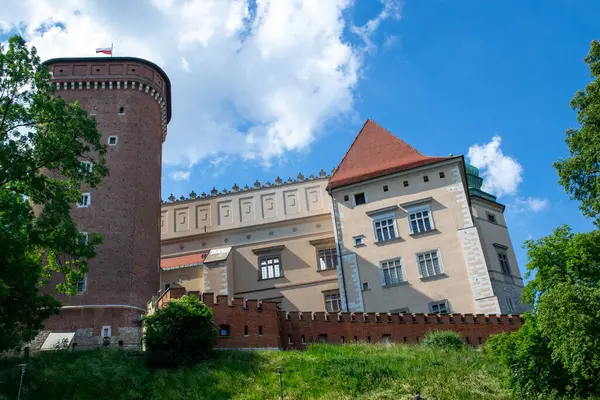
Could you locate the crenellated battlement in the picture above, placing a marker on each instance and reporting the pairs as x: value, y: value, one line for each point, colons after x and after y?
x: 260, y: 324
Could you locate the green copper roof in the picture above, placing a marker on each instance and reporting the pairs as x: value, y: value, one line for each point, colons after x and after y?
x: 474, y: 182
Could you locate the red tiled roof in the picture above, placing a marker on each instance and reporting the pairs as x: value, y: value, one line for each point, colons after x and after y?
x: 376, y: 152
x: 190, y: 260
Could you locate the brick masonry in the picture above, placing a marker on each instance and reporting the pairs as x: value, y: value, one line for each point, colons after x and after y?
x: 295, y: 330
x: 125, y: 207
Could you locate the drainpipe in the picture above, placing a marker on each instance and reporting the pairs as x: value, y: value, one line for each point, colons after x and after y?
x: 339, y: 248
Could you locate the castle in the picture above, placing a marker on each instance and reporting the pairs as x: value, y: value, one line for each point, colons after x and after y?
x: 389, y: 231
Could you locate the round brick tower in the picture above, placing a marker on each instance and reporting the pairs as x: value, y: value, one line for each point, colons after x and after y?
x: 131, y: 101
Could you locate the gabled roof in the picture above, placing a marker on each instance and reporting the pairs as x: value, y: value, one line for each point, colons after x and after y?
x: 376, y: 152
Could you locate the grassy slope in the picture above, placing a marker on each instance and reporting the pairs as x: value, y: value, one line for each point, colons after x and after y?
x: 323, y: 372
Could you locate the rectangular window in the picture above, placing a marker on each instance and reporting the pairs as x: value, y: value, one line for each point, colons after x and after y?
x: 333, y: 302
x: 106, y: 331
x: 270, y: 267
x: 112, y: 140
x: 403, y: 310
x: 491, y: 218
x: 86, y: 200
x: 81, y: 285
x: 405, y: 183
x: 359, y: 240
x: 86, y: 237
x: 391, y: 272
x: 328, y: 259
x: 385, y: 188
x: 425, y: 178
x: 442, y: 175
x: 86, y: 166
x: 503, y: 258
x: 429, y: 264
x: 365, y: 286
x: 385, y: 229
x: 439, y: 307
x: 420, y: 220
x: 359, y: 198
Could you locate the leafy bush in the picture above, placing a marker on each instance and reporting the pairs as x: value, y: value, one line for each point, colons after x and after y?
x: 449, y: 340
x: 181, y: 333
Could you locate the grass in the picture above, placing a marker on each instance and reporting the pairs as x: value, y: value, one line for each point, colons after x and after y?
x: 323, y: 372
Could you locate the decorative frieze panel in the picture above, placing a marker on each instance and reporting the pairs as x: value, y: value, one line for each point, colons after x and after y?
x: 163, y: 222
x: 314, y: 201
x: 182, y: 219
x: 203, y: 217
x: 225, y: 213
x: 247, y: 211
x: 291, y: 202
x: 269, y: 205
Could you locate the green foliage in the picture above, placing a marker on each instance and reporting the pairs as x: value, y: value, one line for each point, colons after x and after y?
x: 351, y: 371
x: 42, y: 143
x: 448, y: 340
x: 181, y: 333
x: 558, y: 348
x: 579, y: 173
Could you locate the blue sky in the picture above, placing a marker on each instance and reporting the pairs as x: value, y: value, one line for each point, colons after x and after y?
x: 256, y: 98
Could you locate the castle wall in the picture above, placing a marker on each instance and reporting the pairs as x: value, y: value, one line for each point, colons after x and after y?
x: 295, y: 330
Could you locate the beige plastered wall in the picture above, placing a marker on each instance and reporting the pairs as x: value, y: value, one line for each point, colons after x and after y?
x: 449, y: 217
x: 300, y: 214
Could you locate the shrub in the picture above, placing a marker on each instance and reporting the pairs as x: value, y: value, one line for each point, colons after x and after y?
x: 181, y: 333
x: 449, y: 340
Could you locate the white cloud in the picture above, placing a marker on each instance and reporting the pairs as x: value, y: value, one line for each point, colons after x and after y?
x: 501, y: 174
x: 529, y: 204
x: 390, y: 41
x: 267, y: 74
x: 180, y: 175
x: 184, y: 64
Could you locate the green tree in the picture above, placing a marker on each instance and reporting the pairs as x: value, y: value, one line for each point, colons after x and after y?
x: 558, y: 348
x: 181, y: 333
x: 43, y: 142
x: 580, y: 173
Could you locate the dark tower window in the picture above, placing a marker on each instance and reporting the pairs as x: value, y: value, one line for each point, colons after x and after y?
x: 405, y: 183
x: 359, y: 198
x: 260, y: 331
x: 122, y: 110
x: 425, y: 178
x: 385, y: 188
x: 442, y: 175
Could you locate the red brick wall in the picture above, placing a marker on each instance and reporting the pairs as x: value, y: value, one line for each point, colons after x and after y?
x: 278, y: 326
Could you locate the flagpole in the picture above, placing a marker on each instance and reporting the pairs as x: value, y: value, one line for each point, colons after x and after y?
x: 111, y: 49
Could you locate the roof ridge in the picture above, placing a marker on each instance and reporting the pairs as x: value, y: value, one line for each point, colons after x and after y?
x: 256, y: 186
x: 352, y: 144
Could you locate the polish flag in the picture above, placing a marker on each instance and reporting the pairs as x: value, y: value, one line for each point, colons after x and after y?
x: 104, y: 50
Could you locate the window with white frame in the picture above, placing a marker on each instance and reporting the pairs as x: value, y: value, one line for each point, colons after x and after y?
x: 419, y: 219
x: 359, y: 241
x: 112, y: 140
x: 439, y: 307
x: 328, y: 259
x: 403, y: 310
x: 85, y: 237
x: 270, y: 267
x: 391, y: 272
x: 81, y: 285
x: 106, y: 331
x: 85, y: 201
x: 333, y: 302
x: 503, y: 259
x: 86, y: 166
x: 384, y: 226
x: 429, y: 264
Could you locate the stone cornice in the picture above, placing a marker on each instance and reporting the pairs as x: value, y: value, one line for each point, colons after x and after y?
x: 257, y: 186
